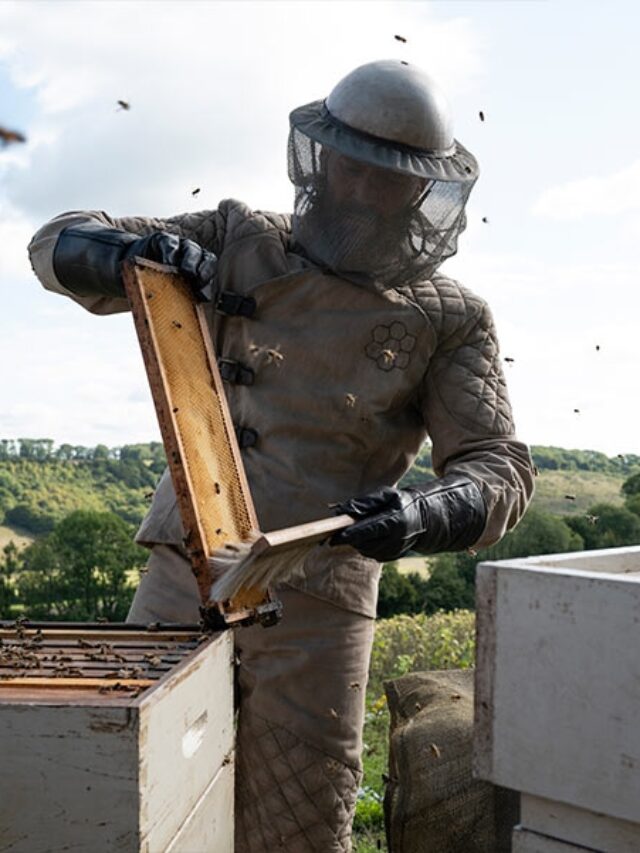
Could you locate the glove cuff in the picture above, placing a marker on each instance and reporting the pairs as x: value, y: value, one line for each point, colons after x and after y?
x: 87, y: 258
x: 453, y: 513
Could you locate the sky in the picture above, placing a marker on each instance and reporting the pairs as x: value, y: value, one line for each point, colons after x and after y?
x: 210, y: 86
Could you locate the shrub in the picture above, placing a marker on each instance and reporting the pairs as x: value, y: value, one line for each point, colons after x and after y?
x: 413, y: 643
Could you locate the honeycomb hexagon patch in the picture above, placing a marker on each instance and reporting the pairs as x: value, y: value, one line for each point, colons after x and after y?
x: 391, y: 346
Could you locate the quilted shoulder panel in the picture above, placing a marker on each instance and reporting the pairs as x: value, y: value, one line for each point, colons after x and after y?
x: 464, y: 381
x: 243, y: 222
x: 468, y: 377
x: 445, y: 304
x: 206, y: 227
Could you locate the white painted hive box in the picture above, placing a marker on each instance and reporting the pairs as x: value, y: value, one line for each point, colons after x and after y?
x: 557, y: 696
x: 116, y: 741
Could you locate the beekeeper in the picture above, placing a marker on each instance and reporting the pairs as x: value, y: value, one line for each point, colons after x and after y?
x: 342, y: 348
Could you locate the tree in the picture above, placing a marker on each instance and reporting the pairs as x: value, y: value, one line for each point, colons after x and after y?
x: 539, y: 532
x: 9, y: 564
x: 449, y: 587
x: 399, y: 593
x: 606, y: 526
x: 631, y: 486
x: 79, y: 572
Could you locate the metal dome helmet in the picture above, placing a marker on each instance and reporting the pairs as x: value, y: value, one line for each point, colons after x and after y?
x: 381, y: 184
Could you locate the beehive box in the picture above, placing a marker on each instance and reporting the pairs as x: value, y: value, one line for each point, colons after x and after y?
x: 557, y: 696
x: 114, y: 739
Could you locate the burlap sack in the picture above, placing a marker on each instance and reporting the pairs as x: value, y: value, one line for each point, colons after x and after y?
x: 432, y: 803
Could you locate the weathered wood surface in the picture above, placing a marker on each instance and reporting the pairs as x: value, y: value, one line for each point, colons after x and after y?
x: 69, y: 779
x: 93, y: 775
x: 567, y: 823
x: 209, y: 827
x: 186, y: 735
x: 558, y: 679
x: 525, y: 841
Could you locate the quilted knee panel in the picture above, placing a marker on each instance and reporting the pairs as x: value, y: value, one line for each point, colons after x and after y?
x: 290, y: 796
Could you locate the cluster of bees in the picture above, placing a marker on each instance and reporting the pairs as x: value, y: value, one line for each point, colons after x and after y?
x: 27, y: 652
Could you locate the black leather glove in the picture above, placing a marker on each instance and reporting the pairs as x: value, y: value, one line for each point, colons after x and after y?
x: 87, y: 259
x: 445, y: 515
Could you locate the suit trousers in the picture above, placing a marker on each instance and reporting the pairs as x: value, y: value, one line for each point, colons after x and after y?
x: 300, y: 701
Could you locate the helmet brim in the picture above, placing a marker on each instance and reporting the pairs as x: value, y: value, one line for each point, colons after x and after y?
x: 456, y: 164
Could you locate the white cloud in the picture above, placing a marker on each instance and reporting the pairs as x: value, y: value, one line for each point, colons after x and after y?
x: 15, y: 233
x: 74, y: 377
x: 210, y: 87
x: 597, y: 196
x: 551, y: 317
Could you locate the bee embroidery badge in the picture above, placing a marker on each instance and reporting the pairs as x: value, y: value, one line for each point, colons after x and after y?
x: 391, y: 346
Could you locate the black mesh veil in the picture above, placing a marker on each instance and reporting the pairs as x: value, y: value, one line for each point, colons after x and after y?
x: 360, y: 242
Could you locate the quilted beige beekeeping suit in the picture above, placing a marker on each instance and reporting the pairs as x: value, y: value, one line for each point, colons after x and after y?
x: 333, y: 388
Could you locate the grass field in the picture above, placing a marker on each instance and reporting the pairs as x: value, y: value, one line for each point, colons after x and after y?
x: 417, y: 565
x: 20, y: 537
x: 587, y: 487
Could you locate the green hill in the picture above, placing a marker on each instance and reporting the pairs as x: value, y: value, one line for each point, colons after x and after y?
x: 569, y: 492
x: 40, y: 484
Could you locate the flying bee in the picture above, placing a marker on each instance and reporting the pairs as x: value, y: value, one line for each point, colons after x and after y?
x: 8, y: 137
x: 570, y: 497
x: 123, y: 105
x: 508, y: 359
x: 274, y: 356
x: 350, y: 400
x: 481, y: 114
x: 195, y: 192
x: 400, y: 38
x: 485, y: 219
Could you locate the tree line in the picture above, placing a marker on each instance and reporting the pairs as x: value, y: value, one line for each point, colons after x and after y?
x: 41, y: 484
x: 83, y: 504
x: 85, y: 569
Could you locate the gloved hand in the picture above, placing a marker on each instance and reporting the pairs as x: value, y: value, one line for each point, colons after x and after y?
x: 88, y: 258
x: 448, y: 514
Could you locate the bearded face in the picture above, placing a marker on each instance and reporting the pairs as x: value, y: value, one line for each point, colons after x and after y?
x: 358, y: 220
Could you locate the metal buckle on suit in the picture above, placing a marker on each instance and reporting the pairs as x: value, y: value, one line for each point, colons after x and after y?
x: 235, y: 372
x: 247, y: 437
x: 235, y: 305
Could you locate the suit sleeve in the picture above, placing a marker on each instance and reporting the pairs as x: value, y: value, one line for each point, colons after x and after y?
x: 205, y: 227
x: 467, y: 412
